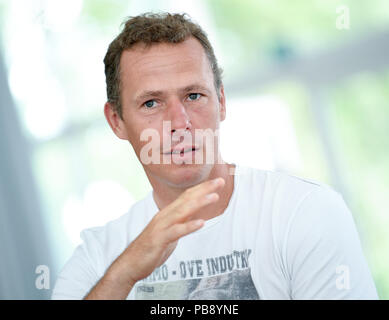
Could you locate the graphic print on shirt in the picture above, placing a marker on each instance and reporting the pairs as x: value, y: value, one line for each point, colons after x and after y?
x: 225, y: 277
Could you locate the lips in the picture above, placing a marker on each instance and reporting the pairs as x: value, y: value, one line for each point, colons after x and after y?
x: 182, y: 149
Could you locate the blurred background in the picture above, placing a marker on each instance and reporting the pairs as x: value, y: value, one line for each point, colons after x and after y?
x: 307, y: 83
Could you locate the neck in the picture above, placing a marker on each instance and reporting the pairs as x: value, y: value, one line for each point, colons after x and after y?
x: 164, y: 194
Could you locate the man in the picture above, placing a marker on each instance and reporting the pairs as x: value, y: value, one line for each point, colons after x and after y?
x: 208, y: 229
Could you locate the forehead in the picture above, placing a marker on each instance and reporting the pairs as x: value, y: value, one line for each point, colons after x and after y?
x: 164, y: 66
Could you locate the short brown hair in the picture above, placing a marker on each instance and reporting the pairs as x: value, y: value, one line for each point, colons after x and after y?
x: 150, y: 28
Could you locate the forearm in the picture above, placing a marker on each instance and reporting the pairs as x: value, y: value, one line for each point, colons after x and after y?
x: 156, y: 242
x: 116, y: 284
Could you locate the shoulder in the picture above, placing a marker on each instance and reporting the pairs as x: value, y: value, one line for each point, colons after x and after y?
x: 278, y: 180
x: 288, y: 191
x: 291, y: 187
x: 283, y: 192
x: 108, y: 241
x: 300, y: 201
x: 100, y: 246
x: 284, y: 196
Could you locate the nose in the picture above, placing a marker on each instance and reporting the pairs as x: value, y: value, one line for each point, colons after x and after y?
x: 179, y: 117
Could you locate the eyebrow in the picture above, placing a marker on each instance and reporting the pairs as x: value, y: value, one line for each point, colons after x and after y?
x: 157, y: 93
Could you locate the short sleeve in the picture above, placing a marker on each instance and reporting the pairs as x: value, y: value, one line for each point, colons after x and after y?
x: 79, y: 275
x: 323, y: 253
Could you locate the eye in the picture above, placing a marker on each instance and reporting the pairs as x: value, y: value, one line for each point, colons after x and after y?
x: 194, y: 96
x: 149, y: 104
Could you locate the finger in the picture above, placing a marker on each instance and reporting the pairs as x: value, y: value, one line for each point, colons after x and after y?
x: 183, y: 213
x: 191, y: 203
x: 197, y: 192
x: 180, y: 230
x: 210, y: 184
x: 190, y: 207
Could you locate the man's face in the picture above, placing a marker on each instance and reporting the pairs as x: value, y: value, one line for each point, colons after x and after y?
x: 169, y: 88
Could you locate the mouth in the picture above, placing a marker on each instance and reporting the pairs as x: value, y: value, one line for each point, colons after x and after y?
x: 182, y: 150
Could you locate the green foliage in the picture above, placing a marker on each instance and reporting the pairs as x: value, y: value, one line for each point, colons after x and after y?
x: 250, y: 33
x: 104, y: 14
x: 360, y: 113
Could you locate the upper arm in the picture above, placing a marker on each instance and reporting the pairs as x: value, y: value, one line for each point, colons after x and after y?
x: 323, y: 253
x: 78, y: 276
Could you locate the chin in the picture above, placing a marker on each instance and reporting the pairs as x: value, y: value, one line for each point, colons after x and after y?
x: 187, y: 175
x: 183, y: 175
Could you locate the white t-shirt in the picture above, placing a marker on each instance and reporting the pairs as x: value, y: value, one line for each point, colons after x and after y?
x: 281, y: 237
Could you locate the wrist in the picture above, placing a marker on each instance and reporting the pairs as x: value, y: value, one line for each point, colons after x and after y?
x: 119, y: 272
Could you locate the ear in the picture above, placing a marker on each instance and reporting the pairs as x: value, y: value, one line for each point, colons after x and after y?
x: 222, y: 104
x: 115, y: 122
